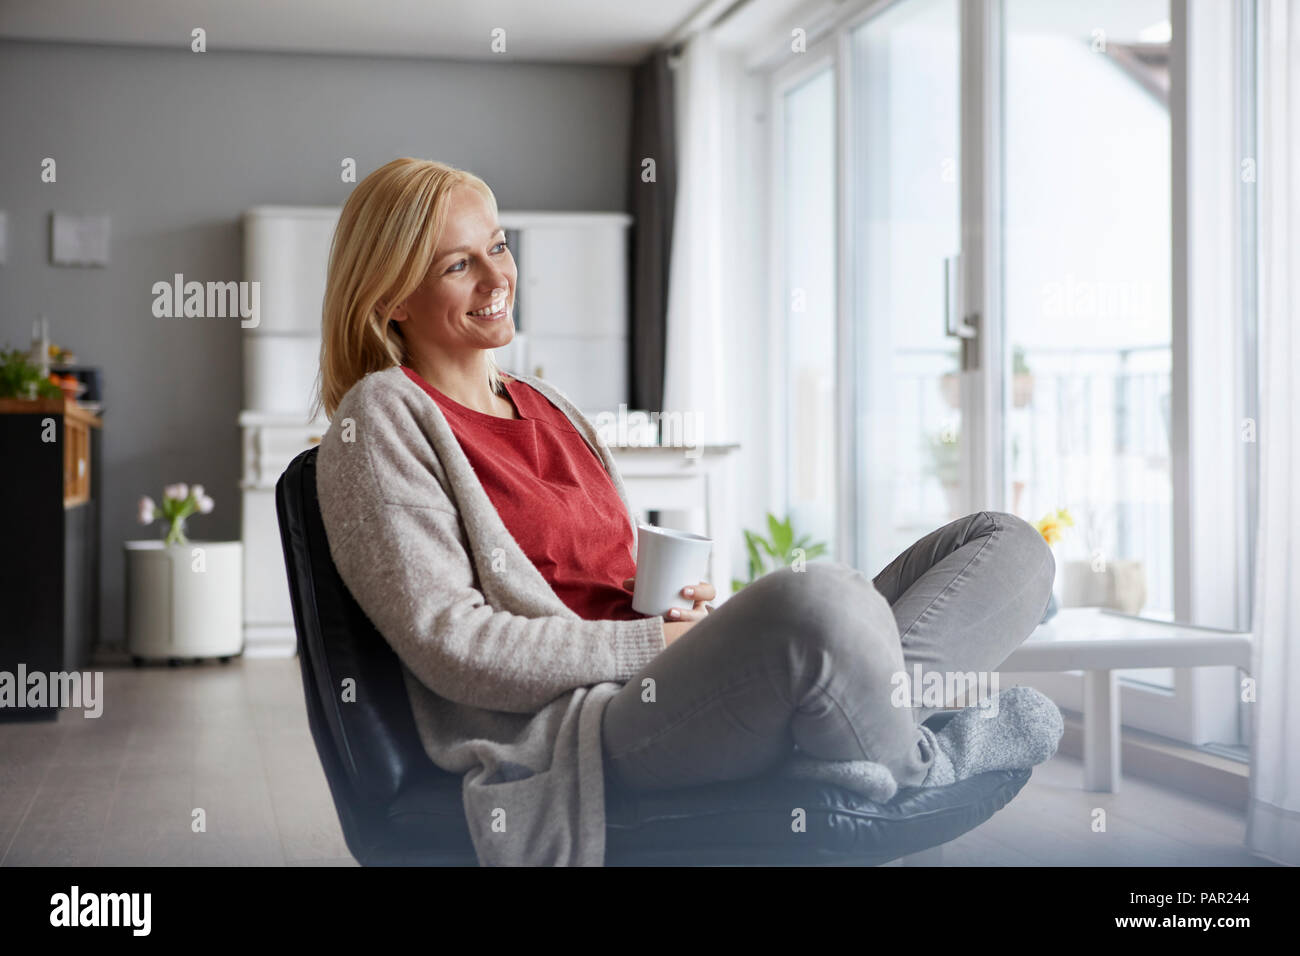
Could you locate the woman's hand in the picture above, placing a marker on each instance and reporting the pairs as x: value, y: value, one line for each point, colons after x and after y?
x: 679, y: 620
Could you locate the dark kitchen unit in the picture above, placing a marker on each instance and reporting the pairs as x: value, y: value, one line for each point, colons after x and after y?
x: 50, y: 457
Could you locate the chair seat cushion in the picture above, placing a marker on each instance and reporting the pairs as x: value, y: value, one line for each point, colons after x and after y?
x: 753, y: 821
x: 732, y: 822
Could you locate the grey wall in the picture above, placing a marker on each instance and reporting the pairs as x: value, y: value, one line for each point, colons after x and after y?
x: 174, y: 146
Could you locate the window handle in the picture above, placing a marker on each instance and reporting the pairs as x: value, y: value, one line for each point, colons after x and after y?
x: 954, y: 301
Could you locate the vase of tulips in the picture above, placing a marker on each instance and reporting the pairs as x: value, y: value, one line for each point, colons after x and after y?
x: 179, y: 501
x: 184, y: 599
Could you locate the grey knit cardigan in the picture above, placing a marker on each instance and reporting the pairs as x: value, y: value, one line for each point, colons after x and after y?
x: 507, y: 685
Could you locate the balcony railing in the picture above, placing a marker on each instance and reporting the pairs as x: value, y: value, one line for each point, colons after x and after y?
x: 1087, y: 429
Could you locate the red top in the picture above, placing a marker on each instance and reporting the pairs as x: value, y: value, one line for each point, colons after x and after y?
x: 554, y: 497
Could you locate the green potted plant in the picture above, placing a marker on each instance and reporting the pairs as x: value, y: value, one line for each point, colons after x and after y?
x: 20, y: 378
x: 781, y: 548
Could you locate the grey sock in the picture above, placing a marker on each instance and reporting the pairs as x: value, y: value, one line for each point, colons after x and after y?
x: 1024, y: 731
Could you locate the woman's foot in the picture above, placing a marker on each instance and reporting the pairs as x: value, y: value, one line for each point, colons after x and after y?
x: 1023, y: 730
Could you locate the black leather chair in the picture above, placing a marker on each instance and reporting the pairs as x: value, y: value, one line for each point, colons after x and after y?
x: 397, y: 807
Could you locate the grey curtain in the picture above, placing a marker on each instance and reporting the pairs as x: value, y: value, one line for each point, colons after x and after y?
x: 651, y: 207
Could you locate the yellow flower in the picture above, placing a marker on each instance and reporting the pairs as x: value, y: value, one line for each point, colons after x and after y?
x: 1049, y: 526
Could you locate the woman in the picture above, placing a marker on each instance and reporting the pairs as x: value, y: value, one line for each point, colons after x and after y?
x: 480, y: 522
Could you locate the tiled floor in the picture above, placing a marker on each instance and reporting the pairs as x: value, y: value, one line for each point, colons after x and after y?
x: 124, y: 788
x: 233, y: 742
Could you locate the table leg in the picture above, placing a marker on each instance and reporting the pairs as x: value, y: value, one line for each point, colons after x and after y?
x: 1101, y: 745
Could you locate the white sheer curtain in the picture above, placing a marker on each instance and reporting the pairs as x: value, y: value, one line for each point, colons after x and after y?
x: 695, y: 365
x: 1273, y: 821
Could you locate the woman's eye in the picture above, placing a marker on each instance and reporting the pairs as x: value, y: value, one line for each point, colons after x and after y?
x: 463, y: 261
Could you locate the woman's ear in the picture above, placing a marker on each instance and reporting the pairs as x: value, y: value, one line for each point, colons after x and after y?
x: 398, y: 314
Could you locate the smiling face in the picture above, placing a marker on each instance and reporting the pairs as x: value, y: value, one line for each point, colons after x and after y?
x: 472, y: 270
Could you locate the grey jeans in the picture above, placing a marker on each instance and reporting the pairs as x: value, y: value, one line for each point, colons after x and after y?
x: 809, y: 657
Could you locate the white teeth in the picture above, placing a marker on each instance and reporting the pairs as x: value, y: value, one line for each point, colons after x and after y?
x: 490, y: 310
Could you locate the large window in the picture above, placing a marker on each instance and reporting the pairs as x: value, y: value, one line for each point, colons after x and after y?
x: 1038, y: 244
x: 1086, y: 233
x: 808, y: 249
x: 906, y: 226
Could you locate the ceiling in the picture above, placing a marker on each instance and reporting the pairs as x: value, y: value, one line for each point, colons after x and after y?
x: 584, y: 31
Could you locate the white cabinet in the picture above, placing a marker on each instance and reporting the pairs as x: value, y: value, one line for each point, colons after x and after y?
x: 573, y: 322
x: 271, y: 441
x: 571, y: 276
x: 573, y: 299
x: 590, y: 370
x: 286, y: 252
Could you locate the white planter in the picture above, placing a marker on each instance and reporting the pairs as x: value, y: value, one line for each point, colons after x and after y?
x: 184, y: 600
x: 1120, y: 585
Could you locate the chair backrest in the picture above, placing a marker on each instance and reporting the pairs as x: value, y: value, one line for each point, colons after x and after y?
x: 371, y: 741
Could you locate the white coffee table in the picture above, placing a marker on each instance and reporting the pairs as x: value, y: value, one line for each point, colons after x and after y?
x: 1100, y: 642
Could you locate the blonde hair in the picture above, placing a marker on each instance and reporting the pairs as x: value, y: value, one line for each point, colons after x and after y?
x: 382, y: 250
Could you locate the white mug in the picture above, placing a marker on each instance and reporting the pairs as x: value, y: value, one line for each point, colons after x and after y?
x: 667, y: 560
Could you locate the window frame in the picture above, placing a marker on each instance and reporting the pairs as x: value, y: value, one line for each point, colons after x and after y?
x: 1218, y: 37
x: 821, y: 54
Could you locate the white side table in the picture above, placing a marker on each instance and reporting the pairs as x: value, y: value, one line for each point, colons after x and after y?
x: 1099, y: 642
x: 184, y: 600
